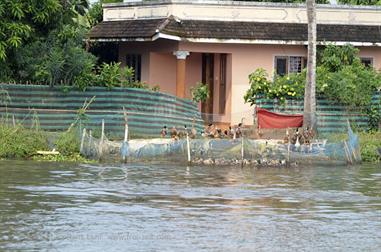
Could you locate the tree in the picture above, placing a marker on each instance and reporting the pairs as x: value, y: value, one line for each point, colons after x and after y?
x: 361, y: 2
x: 22, y: 19
x: 309, y: 115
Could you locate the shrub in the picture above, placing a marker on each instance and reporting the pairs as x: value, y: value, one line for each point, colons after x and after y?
x: 200, y: 92
x: 19, y: 142
x: 282, y: 88
x: 340, y: 77
x: 369, y: 143
x: 68, y: 142
x: 109, y: 75
x: 374, y: 115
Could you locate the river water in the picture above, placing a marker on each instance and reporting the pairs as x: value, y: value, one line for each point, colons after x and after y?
x: 72, y: 207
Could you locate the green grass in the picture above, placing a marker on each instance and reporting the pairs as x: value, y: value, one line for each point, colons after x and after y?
x: 369, y: 143
x: 22, y: 143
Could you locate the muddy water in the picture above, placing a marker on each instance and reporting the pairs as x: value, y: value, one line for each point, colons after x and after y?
x: 66, y: 207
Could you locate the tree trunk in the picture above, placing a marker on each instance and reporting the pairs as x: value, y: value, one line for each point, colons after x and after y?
x: 309, y: 115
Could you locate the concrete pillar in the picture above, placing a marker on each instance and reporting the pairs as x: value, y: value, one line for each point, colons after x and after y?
x: 180, y: 72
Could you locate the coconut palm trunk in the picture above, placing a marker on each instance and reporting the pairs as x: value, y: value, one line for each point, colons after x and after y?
x: 309, y: 115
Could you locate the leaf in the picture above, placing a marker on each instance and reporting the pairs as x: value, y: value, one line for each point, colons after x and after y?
x: 14, y: 41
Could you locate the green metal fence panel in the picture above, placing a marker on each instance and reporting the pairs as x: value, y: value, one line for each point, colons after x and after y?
x: 332, y: 117
x: 56, y: 108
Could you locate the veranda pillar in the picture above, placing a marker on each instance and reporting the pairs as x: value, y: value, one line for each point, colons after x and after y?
x: 180, y: 72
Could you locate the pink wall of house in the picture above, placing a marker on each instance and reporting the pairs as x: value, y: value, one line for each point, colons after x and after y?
x: 374, y: 53
x: 245, y: 58
x: 193, y: 71
x: 163, y: 71
x: 152, y: 54
x: 159, y: 68
x: 159, y: 64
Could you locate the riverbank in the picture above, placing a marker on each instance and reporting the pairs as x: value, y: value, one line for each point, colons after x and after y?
x: 22, y: 143
x: 18, y: 142
x: 369, y: 143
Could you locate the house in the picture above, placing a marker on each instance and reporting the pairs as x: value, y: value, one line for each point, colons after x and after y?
x: 177, y: 43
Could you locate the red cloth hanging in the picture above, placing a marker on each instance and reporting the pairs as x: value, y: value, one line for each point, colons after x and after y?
x: 271, y: 120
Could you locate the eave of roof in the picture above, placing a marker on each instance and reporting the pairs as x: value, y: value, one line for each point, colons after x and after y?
x: 232, y: 32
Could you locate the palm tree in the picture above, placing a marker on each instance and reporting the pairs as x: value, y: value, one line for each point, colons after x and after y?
x: 309, y: 115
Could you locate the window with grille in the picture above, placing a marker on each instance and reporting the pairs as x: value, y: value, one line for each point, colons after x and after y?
x: 281, y: 65
x: 368, y: 62
x: 289, y: 64
x: 296, y: 64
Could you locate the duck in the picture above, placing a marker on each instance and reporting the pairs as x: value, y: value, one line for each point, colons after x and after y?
x: 193, y: 132
x: 174, y: 134
x: 163, y: 132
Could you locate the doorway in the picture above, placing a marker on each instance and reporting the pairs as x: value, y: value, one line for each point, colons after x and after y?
x: 208, y: 79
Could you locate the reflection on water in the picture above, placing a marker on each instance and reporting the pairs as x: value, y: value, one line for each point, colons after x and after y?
x: 66, y: 207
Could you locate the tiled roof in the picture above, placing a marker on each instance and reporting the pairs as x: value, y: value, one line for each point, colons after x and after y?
x: 130, y: 29
x: 126, y: 29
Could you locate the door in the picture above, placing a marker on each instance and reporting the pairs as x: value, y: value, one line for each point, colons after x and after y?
x: 208, y: 79
x: 222, y: 96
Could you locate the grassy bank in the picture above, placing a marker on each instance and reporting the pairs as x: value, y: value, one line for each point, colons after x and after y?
x: 22, y: 143
x: 369, y: 142
x: 18, y: 142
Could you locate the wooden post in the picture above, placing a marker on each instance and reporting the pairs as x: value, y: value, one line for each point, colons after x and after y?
x: 125, y: 125
x: 242, y: 150
x: 90, y: 142
x: 347, y: 153
x: 188, y: 149
x: 124, y: 147
x: 100, y: 147
x: 14, y: 121
x: 82, y: 140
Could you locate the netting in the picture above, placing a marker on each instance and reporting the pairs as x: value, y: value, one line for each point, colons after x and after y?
x: 208, y: 151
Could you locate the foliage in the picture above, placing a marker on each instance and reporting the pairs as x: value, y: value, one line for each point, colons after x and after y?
x: 353, y: 85
x: 374, y: 115
x: 5, y: 99
x: 22, y: 143
x: 109, y: 75
x: 290, y: 86
x: 340, y: 77
x: 360, y: 2
x: 333, y: 58
x: 369, y: 143
x: 19, y: 142
x: 68, y: 142
x: 21, y: 19
x: 200, y: 92
x: 95, y: 14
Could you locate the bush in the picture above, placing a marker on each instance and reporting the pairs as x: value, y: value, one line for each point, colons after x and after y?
x: 282, y: 88
x: 18, y: 142
x: 374, y: 115
x: 340, y: 76
x: 68, y: 143
x: 109, y: 75
x: 200, y: 92
x: 369, y: 143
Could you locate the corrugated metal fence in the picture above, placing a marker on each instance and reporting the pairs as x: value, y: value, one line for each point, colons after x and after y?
x: 332, y: 116
x: 56, y: 108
